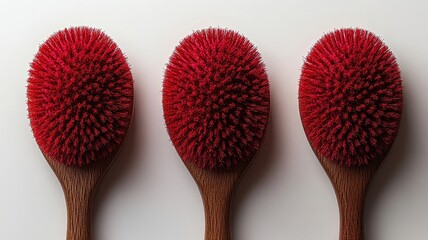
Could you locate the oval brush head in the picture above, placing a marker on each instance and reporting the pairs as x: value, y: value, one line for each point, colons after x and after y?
x: 350, y: 97
x: 216, y: 99
x: 80, y: 96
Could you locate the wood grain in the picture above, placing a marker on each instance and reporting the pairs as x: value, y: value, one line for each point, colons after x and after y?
x: 217, y: 188
x: 350, y: 185
x: 80, y: 185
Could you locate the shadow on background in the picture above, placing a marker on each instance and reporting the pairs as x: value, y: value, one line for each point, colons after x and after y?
x: 392, y: 164
x: 265, y: 160
x: 126, y: 160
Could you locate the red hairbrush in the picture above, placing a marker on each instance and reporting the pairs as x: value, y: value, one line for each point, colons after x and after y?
x: 216, y: 107
x: 350, y: 99
x: 80, y: 103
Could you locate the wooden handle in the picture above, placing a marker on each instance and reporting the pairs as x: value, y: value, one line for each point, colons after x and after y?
x: 351, y: 208
x: 217, y: 187
x: 79, y: 214
x: 217, y: 214
x: 79, y: 185
x: 350, y: 184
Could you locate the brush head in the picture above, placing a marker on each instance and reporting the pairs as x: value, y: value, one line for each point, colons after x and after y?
x: 350, y: 97
x: 80, y: 96
x: 216, y: 99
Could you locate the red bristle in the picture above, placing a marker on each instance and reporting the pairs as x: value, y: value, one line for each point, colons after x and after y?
x: 350, y: 97
x: 216, y: 99
x: 80, y: 96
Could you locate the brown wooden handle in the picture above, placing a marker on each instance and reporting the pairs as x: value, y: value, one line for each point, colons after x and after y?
x: 80, y: 185
x: 350, y: 184
x: 217, y: 215
x: 351, y: 207
x: 79, y: 215
x: 216, y: 187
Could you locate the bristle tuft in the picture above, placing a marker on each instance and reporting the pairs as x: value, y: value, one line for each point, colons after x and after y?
x: 80, y: 96
x: 216, y: 99
x: 350, y: 97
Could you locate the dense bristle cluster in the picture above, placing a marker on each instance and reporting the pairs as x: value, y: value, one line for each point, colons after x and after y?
x: 216, y: 99
x: 350, y: 97
x: 80, y: 96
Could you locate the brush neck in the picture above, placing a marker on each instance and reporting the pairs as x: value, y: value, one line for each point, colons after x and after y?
x: 79, y: 214
x: 217, y: 215
x: 350, y: 185
x: 351, y: 207
x: 216, y: 188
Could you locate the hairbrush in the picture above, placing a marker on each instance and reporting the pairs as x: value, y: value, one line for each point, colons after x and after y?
x: 216, y: 105
x: 80, y: 104
x: 350, y: 101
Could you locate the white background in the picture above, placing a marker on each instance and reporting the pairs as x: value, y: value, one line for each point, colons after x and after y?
x: 149, y: 194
